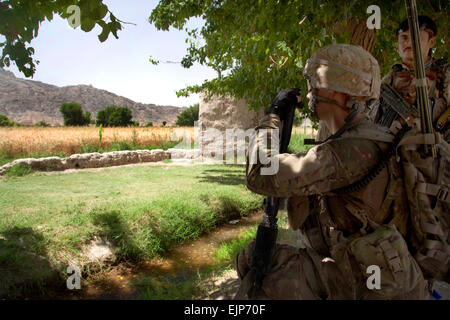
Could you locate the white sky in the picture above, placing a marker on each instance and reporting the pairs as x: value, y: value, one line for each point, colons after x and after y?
x: 121, y: 66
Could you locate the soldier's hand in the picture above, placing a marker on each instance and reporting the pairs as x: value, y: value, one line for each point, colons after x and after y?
x: 285, y: 99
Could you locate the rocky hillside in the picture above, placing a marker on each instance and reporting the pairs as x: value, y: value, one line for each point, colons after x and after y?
x: 28, y: 101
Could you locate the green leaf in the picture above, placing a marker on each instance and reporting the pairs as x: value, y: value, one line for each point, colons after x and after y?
x: 87, y: 24
x: 105, y: 33
x: 299, y: 62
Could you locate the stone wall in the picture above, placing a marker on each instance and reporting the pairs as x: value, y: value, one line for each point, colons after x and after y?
x: 221, y: 119
x: 99, y: 160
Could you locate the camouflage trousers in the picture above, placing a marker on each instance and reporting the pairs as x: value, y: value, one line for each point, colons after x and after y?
x: 303, y: 274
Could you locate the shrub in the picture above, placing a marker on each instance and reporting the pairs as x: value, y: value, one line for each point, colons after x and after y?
x: 42, y: 124
x: 149, y: 124
x: 5, y: 122
x: 73, y: 114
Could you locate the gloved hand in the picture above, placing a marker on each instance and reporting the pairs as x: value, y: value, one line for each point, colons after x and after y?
x: 285, y: 99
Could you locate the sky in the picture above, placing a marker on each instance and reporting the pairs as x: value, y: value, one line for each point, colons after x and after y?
x: 121, y: 66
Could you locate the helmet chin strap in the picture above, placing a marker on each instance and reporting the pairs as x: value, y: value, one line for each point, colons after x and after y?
x: 315, y: 98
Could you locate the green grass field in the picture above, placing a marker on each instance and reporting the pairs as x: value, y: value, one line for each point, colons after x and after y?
x: 47, y: 219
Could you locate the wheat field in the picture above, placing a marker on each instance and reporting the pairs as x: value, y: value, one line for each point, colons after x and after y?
x: 29, y: 140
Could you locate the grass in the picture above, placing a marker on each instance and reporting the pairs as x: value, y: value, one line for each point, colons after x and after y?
x: 296, y: 144
x: 46, y: 221
x: 198, y: 285
x: 226, y: 254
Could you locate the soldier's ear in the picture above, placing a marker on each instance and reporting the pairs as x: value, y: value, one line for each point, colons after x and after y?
x: 432, y: 41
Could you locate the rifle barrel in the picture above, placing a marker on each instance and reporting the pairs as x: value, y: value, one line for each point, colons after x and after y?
x: 423, y: 103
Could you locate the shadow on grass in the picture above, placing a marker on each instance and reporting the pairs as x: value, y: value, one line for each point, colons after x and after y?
x: 116, y: 230
x: 225, y: 177
x: 24, y: 268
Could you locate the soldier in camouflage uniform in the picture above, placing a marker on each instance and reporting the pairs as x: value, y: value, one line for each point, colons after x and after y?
x: 348, y: 231
x: 402, y: 77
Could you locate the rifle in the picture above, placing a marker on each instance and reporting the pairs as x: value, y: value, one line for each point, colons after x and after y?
x: 266, y: 236
x: 421, y: 82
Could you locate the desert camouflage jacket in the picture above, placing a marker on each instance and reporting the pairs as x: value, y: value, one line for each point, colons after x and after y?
x: 325, y: 167
x: 331, y: 165
x: 438, y: 80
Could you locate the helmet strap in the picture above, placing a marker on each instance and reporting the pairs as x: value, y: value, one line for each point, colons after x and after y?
x: 316, y: 98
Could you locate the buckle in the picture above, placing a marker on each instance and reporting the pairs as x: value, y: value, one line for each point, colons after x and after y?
x: 442, y: 194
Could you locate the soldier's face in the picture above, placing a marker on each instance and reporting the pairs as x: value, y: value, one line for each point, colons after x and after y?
x: 427, y: 41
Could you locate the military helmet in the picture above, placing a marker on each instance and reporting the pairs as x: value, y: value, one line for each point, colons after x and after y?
x: 344, y: 68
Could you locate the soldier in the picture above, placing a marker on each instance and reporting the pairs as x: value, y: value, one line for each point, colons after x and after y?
x: 353, y: 228
x: 402, y: 77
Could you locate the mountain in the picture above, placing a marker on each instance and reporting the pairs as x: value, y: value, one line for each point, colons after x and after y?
x: 28, y: 101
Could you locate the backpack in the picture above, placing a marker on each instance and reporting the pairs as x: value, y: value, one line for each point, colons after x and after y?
x: 427, y: 185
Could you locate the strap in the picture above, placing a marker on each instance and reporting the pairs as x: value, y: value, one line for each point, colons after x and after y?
x: 393, y: 260
x: 439, y: 191
x: 431, y: 228
x: 364, y: 75
x: 436, y: 255
x: 437, y: 245
x: 419, y: 138
x: 371, y: 134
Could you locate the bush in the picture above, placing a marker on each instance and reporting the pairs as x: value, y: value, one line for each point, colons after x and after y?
x: 136, y: 123
x: 164, y: 123
x: 188, y: 116
x: 113, y: 116
x: 5, y: 122
x: 149, y: 124
x: 42, y: 124
x: 73, y: 114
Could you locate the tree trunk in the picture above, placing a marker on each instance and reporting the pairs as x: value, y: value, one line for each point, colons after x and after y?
x: 361, y: 35
x: 358, y: 33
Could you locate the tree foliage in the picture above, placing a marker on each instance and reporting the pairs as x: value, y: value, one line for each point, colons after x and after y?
x: 20, y: 21
x: 188, y: 116
x: 114, y: 116
x: 259, y: 47
x: 73, y: 114
x: 6, y: 122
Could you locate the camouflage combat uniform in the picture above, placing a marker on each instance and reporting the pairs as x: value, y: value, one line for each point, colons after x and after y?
x: 342, y: 244
x: 437, y: 71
